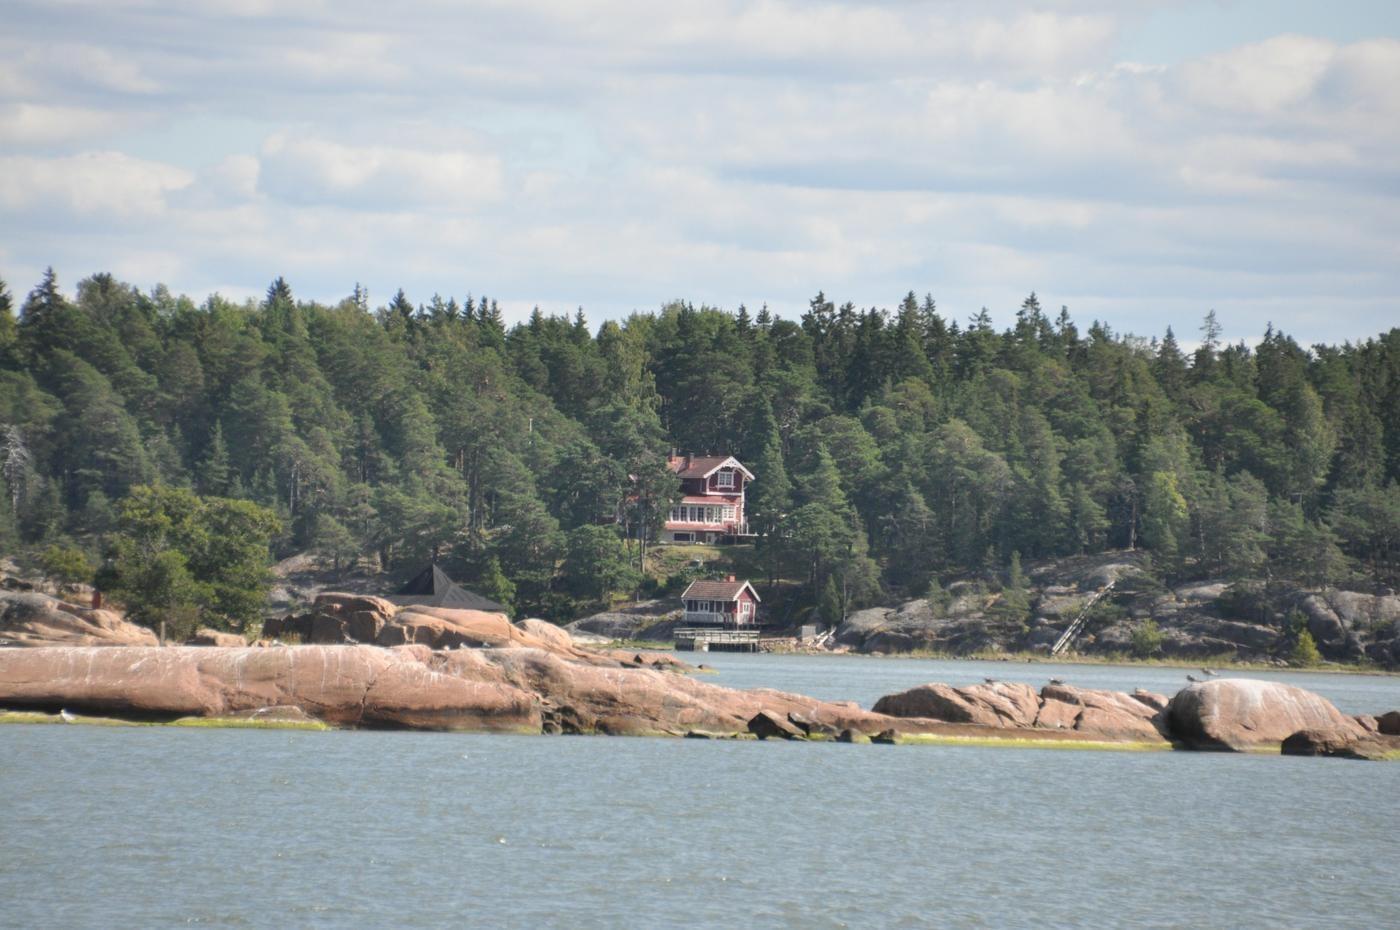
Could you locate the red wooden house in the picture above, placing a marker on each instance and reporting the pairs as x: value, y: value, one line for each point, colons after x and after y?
x: 712, y: 502
x: 730, y: 604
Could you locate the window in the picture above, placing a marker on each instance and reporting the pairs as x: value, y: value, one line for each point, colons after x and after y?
x: 729, y: 513
x: 725, y: 479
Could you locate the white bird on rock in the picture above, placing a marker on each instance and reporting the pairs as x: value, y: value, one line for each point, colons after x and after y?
x: 66, y: 717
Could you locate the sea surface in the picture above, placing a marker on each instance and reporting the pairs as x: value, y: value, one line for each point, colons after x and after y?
x: 166, y: 827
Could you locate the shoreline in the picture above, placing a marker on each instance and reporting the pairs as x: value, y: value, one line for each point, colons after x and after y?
x: 1033, y: 658
x: 557, y: 689
x: 1016, y: 739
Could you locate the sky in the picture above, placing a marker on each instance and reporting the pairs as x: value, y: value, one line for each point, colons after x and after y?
x: 1140, y: 162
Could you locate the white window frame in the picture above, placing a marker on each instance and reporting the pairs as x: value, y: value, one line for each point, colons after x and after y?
x: 725, y: 479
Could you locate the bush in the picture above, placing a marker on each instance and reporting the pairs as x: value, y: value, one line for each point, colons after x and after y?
x: 939, y: 599
x: 66, y: 566
x: 1147, y: 639
x: 1305, y: 654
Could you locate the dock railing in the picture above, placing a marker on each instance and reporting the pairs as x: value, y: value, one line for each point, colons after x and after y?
x: 702, y: 639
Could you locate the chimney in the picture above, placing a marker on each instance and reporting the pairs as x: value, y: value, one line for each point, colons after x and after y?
x: 732, y: 578
x: 687, y: 460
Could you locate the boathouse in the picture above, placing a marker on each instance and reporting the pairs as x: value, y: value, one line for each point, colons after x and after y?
x: 728, y: 604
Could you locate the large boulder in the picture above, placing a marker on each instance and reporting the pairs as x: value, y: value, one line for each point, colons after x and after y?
x: 1332, y: 630
x: 1321, y: 743
x: 343, y: 685
x: 653, y: 620
x: 861, y: 624
x: 451, y: 628
x: 338, y: 617
x: 1242, y: 714
x: 1108, y: 715
x: 996, y: 704
x: 29, y: 619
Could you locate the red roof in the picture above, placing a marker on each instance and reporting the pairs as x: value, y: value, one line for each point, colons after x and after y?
x: 702, y: 466
x: 718, y: 590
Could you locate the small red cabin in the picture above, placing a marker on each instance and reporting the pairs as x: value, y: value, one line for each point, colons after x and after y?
x: 729, y: 604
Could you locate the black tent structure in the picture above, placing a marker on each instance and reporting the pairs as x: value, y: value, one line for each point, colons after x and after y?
x: 432, y: 588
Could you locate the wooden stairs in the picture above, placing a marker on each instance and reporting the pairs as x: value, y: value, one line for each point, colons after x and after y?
x: 1076, y: 627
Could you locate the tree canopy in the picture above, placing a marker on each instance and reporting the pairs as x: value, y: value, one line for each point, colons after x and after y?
x: 181, y: 441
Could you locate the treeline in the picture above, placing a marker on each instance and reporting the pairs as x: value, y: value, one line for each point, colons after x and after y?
x: 892, y: 448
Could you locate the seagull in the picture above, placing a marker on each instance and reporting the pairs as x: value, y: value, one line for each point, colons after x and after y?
x: 1210, y: 671
x: 1056, y: 681
x: 67, y: 717
x: 990, y: 681
x: 1192, y: 678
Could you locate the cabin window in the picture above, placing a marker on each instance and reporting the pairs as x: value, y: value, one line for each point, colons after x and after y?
x: 725, y: 479
x: 729, y: 513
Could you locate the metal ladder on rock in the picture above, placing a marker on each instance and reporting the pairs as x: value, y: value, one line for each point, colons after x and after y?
x: 1077, y: 626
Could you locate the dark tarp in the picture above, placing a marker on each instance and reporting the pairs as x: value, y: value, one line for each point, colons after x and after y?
x: 432, y: 588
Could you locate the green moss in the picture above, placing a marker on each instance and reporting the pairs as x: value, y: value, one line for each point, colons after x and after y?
x: 939, y: 739
x: 23, y: 717
x: 245, y: 723
x: 37, y: 717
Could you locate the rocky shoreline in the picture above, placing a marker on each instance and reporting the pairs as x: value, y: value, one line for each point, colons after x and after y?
x: 439, y: 669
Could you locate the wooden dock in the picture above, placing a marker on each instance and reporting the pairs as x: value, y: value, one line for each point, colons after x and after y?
x: 714, y: 639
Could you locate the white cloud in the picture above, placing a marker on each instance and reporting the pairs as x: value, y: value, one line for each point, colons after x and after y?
x: 619, y: 153
x: 308, y: 170
x: 29, y: 124
x: 106, y: 184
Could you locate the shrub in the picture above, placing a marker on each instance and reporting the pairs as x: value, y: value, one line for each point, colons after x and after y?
x: 1147, y: 639
x: 66, y: 566
x: 1305, y: 654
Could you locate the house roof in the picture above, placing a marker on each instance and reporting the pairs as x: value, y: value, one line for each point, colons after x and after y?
x: 718, y: 590
x: 432, y: 588
x: 703, y: 466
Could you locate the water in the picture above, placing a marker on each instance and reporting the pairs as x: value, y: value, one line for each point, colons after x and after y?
x: 865, y: 678
x: 237, y: 828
